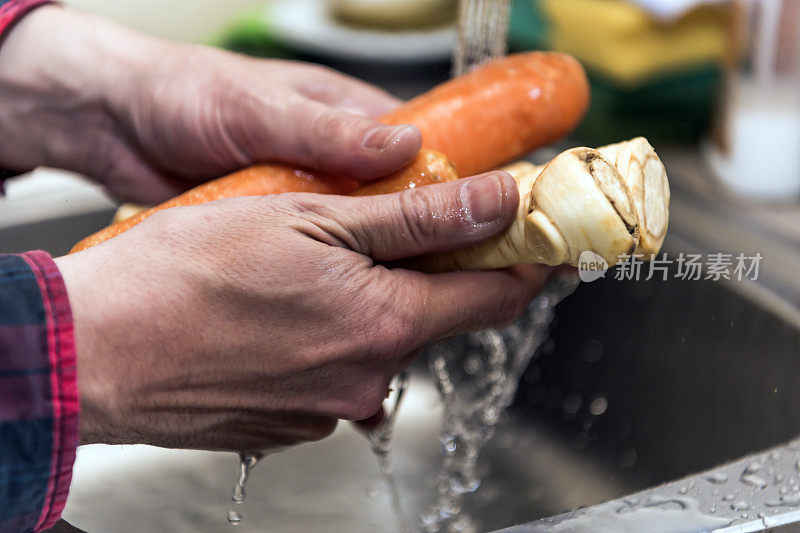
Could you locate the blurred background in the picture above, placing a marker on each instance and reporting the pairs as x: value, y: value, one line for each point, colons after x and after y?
x: 641, y: 381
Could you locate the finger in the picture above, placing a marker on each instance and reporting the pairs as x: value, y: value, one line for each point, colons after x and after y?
x: 436, y: 218
x: 341, y: 91
x: 302, y: 131
x: 535, y: 275
x: 459, y: 302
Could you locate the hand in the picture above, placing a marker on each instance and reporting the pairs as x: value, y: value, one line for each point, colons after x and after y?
x: 149, y: 118
x: 256, y: 322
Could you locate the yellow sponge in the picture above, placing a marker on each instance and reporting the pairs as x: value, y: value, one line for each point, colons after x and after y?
x: 627, y: 45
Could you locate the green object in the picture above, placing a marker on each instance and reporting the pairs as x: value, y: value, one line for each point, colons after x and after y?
x: 250, y: 34
x: 527, y: 27
x: 676, y: 106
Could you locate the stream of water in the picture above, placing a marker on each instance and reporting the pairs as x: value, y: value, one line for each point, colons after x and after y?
x: 380, y: 439
x: 482, y: 31
x: 477, y: 377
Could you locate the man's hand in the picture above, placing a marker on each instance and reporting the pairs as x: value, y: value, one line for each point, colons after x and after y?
x: 256, y: 322
x: 149, y: 118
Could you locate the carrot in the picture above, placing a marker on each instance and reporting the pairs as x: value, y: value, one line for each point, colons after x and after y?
x: 255, y: 180
x: 497, y: 112
x: 427, y: 167
x: 500, y: 110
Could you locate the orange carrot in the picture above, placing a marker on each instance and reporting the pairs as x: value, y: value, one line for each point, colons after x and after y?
x: 255, y: 180
x: 497, y: 112
x: 427, y: 167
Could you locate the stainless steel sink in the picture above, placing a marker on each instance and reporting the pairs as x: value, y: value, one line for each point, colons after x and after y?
x: 641, y: 383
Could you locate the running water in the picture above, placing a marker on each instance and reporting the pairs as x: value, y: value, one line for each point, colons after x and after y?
x: 482, y: 30
x: 246, y: 462
x: 380, y: 439
x: 477, y: 377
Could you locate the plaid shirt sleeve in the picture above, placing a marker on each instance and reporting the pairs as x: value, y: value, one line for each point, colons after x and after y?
x: 10, y: 12
x: 38, y: 393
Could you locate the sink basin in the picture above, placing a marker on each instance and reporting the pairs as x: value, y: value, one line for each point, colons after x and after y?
x: 640, y: 383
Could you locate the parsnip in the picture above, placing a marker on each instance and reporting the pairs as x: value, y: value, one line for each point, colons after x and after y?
x: 611, y: 201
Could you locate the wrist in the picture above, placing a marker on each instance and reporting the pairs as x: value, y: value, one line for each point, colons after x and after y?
x: 62, y: 74
x: 98, y: 398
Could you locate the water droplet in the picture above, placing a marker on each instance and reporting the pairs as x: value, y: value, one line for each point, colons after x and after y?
x: 753, y: 480
x: 741, y: 505
x: 371, y: 490
x: 778, y: 478
x: 598, y: 406
x: 788, y: 500
x: 784, y: 490
x: 752, y: 468
x: 234, y: 518
x: 716, y: 477
x: 683, y: 490
x: 728, y: 498
x: 572, y: 404
x: 775, y: 455
x: 472, y: 365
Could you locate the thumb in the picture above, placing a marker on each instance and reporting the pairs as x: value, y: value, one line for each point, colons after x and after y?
x: 431, y: 219
x: 306, y: 132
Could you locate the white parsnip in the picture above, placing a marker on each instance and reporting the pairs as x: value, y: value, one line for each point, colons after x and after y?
x: 612, y: 201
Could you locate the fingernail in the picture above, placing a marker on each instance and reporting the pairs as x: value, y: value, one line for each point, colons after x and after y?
x: 483, y: 199
x: 381, y: 137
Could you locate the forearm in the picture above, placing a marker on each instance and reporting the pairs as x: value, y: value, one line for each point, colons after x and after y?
x: 62, y: 75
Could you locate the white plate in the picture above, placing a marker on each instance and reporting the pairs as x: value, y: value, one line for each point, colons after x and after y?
x: 308, y: 26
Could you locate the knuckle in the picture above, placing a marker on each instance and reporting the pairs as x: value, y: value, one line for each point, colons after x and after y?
x: 415, y: 217
x: 399, y: 319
